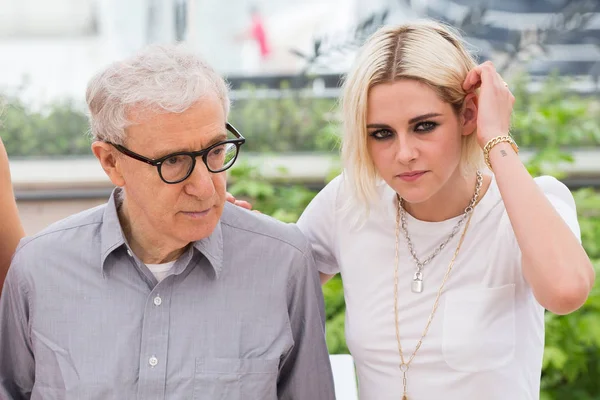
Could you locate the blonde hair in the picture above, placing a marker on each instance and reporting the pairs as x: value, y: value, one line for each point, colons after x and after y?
x: 425, y: 51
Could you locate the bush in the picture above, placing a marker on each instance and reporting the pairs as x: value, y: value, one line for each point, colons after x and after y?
x: 58, y: 131
x: 572, y: 354
x: 292, y: 122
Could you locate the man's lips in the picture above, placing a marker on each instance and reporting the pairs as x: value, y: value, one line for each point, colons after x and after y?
x: 196, y: 214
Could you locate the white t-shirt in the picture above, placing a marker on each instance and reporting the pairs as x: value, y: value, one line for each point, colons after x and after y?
x: 161, y: 271
x: 486, y: 340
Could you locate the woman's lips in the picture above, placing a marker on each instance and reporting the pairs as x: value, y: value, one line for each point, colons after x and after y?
x: 411, y: 176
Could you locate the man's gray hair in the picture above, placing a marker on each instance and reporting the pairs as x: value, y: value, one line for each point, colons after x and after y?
x: 159, y: 79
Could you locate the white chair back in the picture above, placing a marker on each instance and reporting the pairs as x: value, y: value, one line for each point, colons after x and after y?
x: 344, y: 376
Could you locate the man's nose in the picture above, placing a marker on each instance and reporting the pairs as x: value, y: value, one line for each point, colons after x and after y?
x: 200, y: 184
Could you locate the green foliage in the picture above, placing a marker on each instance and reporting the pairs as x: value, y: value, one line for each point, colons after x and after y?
x: 290, y: 122
x: 59, y: 130
x: 294, y: 121
x: 551, y: 120
x: 335, y: 309
x: 284, y: 202
x: 572, y: 355
x: 553, y: 117
x: 588, y: 210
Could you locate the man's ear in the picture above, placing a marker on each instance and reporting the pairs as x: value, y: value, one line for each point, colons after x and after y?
x: 469, y: 114
x: 109, y: 161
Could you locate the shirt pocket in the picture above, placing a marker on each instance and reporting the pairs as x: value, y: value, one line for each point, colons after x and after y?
x: 235, y: 379
x: 479, y: 328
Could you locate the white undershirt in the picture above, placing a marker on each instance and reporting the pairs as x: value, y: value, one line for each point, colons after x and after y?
x: 161, y: 271
x: 486, y: 340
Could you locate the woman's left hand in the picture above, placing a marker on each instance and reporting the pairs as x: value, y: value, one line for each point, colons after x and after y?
x: 495, y: 102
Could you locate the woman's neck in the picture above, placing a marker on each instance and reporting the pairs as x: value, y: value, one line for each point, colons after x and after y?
x: 450, y: 201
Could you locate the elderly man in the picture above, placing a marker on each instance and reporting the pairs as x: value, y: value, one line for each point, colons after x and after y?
x: 165, y: 292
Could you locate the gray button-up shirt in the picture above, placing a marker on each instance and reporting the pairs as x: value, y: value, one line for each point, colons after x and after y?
x: 241, y: 317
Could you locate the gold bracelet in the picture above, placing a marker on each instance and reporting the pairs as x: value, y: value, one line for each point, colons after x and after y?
x: 498, y: 139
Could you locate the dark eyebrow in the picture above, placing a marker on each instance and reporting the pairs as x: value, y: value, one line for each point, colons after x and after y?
x: 216, y: 139
x: 379, y: 126
x: 423, y: 117
x: 410, y: 122
x: 219, y: 138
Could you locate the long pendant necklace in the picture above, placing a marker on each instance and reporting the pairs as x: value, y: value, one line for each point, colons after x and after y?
x: 405, y: 364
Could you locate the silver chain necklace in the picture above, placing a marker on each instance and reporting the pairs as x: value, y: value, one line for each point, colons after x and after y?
x: 417, y: 283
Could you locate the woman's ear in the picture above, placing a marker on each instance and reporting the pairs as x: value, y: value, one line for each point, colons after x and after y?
x: 469, y: 114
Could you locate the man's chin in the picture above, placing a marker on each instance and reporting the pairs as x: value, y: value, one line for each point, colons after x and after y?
x: 192, y: 232
x: 192, y: 237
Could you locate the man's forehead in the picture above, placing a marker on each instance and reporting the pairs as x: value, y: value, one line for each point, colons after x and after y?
x: 207, y: 108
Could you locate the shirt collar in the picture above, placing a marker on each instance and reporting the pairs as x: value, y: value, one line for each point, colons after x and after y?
x: 112, y: 237
x: 212, y: 248
x: 111, y: 234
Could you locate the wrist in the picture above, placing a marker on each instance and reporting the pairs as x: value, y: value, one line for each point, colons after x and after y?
x: 500, y: 145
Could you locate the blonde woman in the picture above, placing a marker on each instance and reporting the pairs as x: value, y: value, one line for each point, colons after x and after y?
x: 447, y: 265
x: 11, y: 230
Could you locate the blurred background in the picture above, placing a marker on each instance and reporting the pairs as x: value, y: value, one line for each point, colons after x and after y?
x: 284, y: 61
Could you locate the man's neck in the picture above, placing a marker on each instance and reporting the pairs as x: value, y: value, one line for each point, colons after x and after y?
x: 149, y: 249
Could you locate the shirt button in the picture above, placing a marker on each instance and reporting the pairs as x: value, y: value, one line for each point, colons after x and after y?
x: 129, y: 253
x: 157, y: 301
x: 153, y: 361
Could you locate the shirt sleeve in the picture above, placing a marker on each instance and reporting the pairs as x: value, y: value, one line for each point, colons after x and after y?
x: 318, y: 224
x: 305, y: 372
x: 17, y: 364
x: 562, y: 200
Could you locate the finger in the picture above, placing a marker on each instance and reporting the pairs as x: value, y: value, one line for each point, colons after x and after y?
x: 476, y: 85
x: 488, y: 76
x: 243, y: 204
x: 501, y: 82
x: 229, y: 197
x: 473, y: 79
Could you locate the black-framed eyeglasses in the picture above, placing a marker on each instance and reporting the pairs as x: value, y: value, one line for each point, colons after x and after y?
x: 177, y: 167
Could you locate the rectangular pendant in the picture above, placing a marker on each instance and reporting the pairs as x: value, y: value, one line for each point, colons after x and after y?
x: 417, y: 285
